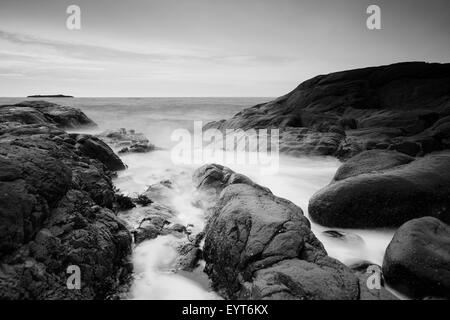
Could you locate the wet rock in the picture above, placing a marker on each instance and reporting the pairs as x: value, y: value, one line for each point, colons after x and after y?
x: 178, y: 227
x: 54, y: 212
x: 143, y: 200
x: 123, y: 202
x: 189, y: 255
x: 128, y: 140
x: 259, y: 246
x: 93, y: 147
x: 161, y: 191
x: 417, y: 260
x: 369, y: 194
x: 371, y: 161
x: 217, y: 177
x: 157, y: 225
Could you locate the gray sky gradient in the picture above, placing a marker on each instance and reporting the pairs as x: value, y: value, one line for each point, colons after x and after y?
x: 206, y: 47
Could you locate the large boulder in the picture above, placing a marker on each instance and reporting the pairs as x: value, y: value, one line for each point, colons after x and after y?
x: 43, y: 112
x: 347, y: 112
x: 259, y: 246
x: 55, y: 201
x: 417, y: 260
x: 384, y: 189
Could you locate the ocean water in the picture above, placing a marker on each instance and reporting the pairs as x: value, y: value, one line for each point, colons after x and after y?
x: 297, y: 180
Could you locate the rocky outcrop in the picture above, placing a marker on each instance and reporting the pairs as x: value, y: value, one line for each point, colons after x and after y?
x: 155, y: 220
x: 417, y: 261
x: 95, y: 148
x: 46, y: 113
x: 259, y: 246
x: 403, y: 107
x: 55, y: 210
x: 127, y: 141
x: 384, y: 189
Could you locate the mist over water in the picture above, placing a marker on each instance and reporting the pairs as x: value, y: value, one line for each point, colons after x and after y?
x: 297, y: 180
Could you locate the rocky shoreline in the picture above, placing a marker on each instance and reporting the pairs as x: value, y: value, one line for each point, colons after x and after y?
x: 389, y: 125
x: 260, y: 246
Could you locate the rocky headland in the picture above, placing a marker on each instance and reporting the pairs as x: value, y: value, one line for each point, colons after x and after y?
x: 403, y: 107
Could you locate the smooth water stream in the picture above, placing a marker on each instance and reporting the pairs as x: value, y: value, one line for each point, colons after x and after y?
x: 297, y: 180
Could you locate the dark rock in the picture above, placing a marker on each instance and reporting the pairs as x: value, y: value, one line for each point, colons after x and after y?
x: 417, y: 261
x: 406, y: 147
x: 371, y: 161
x: 178, y: 227
x: 93, y: 147
x: 43, y: 112
x: 54, y: 212
x: 157, y: 224
x: 371, y: 194
x: 344, y: 113
x: 188, y: 256
x: 259, y: 246
x: 143, y: 200
x: 217, y: 177
x: 124, y: 202
x: 128, y: 141
x: 161, y: 191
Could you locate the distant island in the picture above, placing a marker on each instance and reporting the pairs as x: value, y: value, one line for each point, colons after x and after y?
x: 50, y: 96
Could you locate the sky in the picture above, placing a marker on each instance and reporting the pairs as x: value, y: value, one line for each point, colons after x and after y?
x: 189, y: 48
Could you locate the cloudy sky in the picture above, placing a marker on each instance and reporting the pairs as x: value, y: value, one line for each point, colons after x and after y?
x: 171, y: 48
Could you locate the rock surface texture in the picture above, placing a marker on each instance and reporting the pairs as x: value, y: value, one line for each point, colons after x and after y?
x: 127, y: 141
x: 403, y: 107
x: 380, y: 188
x: 259, y: 246
x: 56, y: 198
x: 43, y: 112
x: 417, y: 261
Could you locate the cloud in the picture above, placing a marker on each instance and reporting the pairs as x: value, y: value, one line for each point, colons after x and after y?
x: 27, y: 60
x: 101, y: 53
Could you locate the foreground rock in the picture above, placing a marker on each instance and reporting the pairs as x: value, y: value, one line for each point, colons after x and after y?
x: 417, y: 261
x: 259, y: 246
x: 385, y: 189
x: 403, y: 107
x: 56, y: 197
x: 128, y: 141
